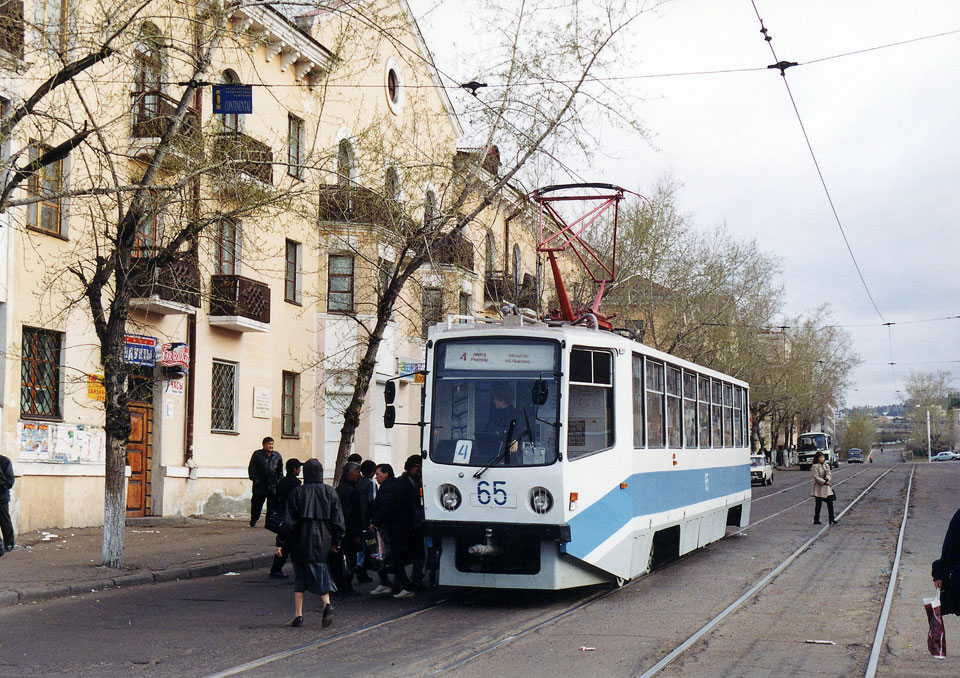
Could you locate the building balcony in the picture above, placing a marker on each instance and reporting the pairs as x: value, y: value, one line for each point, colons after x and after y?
x: 504, y: 290
x: 455, y: 251
x: 151, y: 114
x: 239, y: 304
x: 174, y: 288
x: 353, y: 204
x: 237, y: 153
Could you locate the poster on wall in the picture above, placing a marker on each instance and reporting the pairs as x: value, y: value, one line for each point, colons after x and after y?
x: 61, y: 443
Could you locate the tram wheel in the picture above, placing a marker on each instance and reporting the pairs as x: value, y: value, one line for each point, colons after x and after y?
x: 620, y: 582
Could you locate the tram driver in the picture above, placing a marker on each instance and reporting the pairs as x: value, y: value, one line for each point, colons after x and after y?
x: 502, y: 414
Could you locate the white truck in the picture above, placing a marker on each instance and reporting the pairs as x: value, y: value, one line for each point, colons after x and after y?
x: 760, y: 470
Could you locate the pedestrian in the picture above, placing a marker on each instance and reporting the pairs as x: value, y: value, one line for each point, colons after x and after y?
x: 316, y: 530
x: 356, y: 516
x: 284, y: 488
x: 355, y: 458
x: 6, y: 482
x: 413, y: 493
x: 265, y: 470
x: 946, y: 569
x: 822, y: 491
x: 391, y: 516
x: 367, y: 486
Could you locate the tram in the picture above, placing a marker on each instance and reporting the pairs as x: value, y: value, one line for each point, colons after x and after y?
x: 560, y: 453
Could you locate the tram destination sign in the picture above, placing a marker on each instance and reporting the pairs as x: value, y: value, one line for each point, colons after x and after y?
x: 500, y: 357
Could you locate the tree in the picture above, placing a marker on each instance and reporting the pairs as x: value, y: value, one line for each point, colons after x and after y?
x: 546, y: 64
x: 929, y: 392
x: 859, y: 431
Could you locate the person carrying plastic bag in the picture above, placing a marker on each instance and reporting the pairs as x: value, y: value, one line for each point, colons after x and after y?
x: 946, y: 578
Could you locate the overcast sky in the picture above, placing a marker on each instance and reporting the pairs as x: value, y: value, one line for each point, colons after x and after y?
x: 883, y: 124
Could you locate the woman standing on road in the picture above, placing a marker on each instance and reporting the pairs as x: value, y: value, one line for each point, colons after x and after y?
x: 946, y: 569
x: 822, y: 491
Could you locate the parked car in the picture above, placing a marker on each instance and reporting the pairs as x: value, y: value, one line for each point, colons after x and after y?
x: 854, y: 455
x: 946, y: 455
x: 760, y: 470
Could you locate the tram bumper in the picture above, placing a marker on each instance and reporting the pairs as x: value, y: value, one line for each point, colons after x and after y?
x: 507, y: 555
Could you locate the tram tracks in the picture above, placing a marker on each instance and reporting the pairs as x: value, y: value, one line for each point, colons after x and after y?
x: 539, y: 622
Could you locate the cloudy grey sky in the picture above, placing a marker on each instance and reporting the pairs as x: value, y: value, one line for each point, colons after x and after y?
x: 883, y: 124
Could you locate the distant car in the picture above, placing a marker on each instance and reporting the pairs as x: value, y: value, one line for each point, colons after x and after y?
x: 946, y: 455
x: 854, y: 455
x: 760, y: 470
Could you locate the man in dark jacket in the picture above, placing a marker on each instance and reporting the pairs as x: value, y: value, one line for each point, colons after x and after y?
x: 284, y: 488
x: 946, y: 569
x: 316, y: 530
x: 265, y: 470
x: 356, y: 517
x: 6, y: 482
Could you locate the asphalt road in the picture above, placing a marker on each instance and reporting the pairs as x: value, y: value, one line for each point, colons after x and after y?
x: 833, y: 591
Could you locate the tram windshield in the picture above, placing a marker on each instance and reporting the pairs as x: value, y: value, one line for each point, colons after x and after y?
x: 495, y: 402
x: 812, y: 443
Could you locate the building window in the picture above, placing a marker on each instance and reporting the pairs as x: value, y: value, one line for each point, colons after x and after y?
x: 432, y: 308
x: 466, y: 303
x: 384, y: 273
x: 11, y: 27
x: 490, y: 252
x: 293, y: 273
x: 223, y: 397
x: 40, y: 373
x: 148, y: 73
x: 517, y: 266
x: 429, y: 208
x: 228, y: 247
x: 391, y: 184
x: 591, y: 402
x: 344, y: 163
x: 295, y: 140
x: 150, y: 226
x: 340, y: 284
x: 290, y: 405
x: 231, y: 122
x: 45, y: 184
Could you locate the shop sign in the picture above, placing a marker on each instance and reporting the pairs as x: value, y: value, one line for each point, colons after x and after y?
x: 176, y: 354
x: 406, y: 366
x: 139, y: 350
x: 95, y: 388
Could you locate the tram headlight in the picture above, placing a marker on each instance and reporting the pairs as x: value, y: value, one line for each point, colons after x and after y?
x: 450, y: 497
x: 541, y: 500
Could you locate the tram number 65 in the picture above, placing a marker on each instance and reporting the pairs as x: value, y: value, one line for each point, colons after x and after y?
x: 497, y: 494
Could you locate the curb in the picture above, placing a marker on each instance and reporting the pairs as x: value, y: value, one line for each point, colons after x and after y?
x: 53, y: 591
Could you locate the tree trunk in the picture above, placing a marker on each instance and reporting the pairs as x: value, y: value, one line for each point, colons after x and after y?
x: 117, y: 428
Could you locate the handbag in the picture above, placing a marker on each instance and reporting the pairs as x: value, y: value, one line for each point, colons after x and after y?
x: 936, y: 640
x: 274, y: 522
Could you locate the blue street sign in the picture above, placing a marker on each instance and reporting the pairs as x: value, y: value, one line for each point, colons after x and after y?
x: 139, y: 350
x: 229, y: 99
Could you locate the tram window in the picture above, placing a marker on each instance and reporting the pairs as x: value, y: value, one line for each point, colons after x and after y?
x: 704, y: 412
x: 655, y: 408
x: 746, y: 416
x: 637, y: 401
x: 673, y: 407
x: 716, y: 414
x: 590, y: 426
x: 727, y: 415
x: 689, y: 409
x: 738, y: 417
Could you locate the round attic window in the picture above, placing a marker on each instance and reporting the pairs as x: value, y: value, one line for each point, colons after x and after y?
x: 394, y: 87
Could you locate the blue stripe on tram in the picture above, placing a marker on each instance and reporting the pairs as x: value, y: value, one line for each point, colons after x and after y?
x: 647, y: 493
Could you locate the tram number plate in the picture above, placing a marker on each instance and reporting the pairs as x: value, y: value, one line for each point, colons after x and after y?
x: 493, y: 495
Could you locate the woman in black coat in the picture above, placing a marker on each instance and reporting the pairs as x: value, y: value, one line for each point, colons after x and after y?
x: 946, y: 569
x: 316, y: 529
x: 393, y: 517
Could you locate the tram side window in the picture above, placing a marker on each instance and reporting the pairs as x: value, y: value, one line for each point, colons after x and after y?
x: 716, y: 414
x: 689, y: 409
x: 704, y: 411
x: 655, y: 408
x: 637, y: 401
x: 590, y: 427
x: 738, y: 416
x: 727, y: 415
x: 673, y: 407
x: 746, y: 416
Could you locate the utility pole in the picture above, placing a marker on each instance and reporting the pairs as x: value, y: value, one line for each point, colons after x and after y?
x: 928, y: 436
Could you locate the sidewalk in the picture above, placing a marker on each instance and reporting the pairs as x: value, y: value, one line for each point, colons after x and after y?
x: 62, y: 562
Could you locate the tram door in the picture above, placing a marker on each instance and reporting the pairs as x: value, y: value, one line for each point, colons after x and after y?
x: 140, y: 449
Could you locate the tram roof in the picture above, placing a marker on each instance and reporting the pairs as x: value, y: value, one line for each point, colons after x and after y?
x: 585, y: 336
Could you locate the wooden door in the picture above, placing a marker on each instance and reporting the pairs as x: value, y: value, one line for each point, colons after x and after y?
x: 139, y: 457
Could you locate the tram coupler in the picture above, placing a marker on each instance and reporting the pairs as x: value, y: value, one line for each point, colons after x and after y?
x: 490, y: 548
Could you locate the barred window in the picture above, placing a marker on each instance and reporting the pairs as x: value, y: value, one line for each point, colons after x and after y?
x: 40, y: 373
x: 45, y: 184
x: 340, y: 283
x: 223, y: 396
x: 290, y: 405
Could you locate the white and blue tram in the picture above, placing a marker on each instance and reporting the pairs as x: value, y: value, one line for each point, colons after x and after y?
x: 558, y: 455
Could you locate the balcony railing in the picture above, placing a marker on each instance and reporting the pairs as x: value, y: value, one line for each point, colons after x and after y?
x: 504, y: 289
x: 358, y: 205
x: 455, y: 250
x: 152, y: 112
x: 242, y: 153
x: 177, y: 282
x: 11, y: 27
x: 236, y: 296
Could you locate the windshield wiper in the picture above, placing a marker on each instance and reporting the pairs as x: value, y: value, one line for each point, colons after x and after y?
x: 503, y: 451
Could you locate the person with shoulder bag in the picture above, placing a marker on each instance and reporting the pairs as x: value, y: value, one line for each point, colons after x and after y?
x: 822, y: 491
x: 946, y: 569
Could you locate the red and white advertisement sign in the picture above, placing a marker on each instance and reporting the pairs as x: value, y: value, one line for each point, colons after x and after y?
x: 177, y: 354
